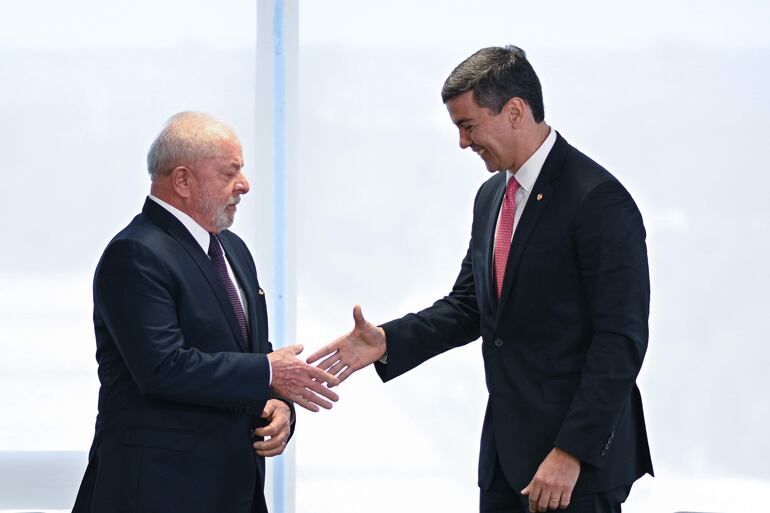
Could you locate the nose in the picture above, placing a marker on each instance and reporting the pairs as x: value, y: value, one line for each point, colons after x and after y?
x: 465, y: 139
x: 242, y: 185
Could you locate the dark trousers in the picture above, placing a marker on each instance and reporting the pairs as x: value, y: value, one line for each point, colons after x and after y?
x: 500, y: 497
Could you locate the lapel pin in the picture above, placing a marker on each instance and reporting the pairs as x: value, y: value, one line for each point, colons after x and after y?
x: 539, y: 197
x: 261, y: 292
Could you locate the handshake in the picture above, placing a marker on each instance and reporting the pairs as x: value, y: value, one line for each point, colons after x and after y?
x: 309, y: 386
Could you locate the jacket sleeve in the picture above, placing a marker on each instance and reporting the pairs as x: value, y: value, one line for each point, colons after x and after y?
x: 612, y: 256
x: 134, y: 293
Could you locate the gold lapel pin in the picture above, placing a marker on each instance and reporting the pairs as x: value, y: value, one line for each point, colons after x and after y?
x: 539, y: 197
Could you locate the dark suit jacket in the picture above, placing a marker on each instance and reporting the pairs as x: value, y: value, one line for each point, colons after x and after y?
x: 179, y: 392
x: 563, y: 347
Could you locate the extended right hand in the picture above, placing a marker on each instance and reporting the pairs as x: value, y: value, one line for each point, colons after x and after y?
x: 364, y: 345
x: 297, y: 381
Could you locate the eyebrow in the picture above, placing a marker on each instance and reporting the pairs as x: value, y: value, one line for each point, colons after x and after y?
x: 232, y: 165
x: 461, y: 121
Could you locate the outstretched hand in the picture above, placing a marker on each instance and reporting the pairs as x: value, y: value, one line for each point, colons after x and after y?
x: 364, y: 345
x: 297, y: 381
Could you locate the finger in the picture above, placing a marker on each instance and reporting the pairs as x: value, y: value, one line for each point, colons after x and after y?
x: 271, y: 451
x: 267, y: 431
x: 346, y: 374
x: 544, y: 501
x: 358, y: 317
x: 300, y: 400
x: 319, y: 389
x: 331, y: 360
x: 326, y: 350
x: 534, y: 497
x: 317, y: 398
x: 269, y: 444
x: 268, y: 410
x: 277, y: 423
x: 336, y: 368
x: 554, y: 501
x: 566, y: 498
x: 272, y: 429
x: 294, y: 349
x: 269, y: 454
x: 342, y: 368
x: 322, y: 376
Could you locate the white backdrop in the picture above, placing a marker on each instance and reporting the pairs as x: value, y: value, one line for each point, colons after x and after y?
x: 671, y: 99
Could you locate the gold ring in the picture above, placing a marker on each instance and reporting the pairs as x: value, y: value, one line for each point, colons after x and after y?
x: 555, y: 500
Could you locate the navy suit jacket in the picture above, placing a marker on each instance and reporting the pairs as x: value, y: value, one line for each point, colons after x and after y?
x: 180, y: 391
x: 563, y: 346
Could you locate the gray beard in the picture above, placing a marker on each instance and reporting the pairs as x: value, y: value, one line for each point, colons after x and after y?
x: 220, y: 219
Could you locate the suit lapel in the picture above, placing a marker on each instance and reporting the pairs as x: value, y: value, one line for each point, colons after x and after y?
x: 536, y: 204
x: 176, y: 229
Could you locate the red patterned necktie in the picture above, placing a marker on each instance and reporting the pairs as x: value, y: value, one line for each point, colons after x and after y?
x: 218, y: 258
x: 504, y: 233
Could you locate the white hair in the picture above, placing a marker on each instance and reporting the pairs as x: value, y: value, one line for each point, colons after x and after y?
x: 187, y: 138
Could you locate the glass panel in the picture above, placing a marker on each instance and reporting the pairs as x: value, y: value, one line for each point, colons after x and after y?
x: 671, y: 99
x: 85, y: 86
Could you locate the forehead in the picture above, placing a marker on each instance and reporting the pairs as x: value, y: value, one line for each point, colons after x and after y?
x: 230, y: 149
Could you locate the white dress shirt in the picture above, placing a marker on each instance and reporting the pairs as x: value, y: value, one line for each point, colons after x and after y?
x: 527, y: 176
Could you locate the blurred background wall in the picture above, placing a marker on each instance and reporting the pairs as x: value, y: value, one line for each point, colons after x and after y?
x: 670, y: 97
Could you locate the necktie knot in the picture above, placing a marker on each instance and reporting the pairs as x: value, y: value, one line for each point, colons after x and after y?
x: 513, y: 186
x: 215, y: 249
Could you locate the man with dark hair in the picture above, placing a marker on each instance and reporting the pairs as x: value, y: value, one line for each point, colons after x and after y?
x: 192, y: 396
x: 555, y: 282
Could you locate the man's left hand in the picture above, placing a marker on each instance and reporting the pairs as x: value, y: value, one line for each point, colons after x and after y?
x: 554, y: 481
x: 276, y: 432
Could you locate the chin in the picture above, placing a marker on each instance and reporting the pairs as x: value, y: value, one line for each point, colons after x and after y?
x: 224, y: 222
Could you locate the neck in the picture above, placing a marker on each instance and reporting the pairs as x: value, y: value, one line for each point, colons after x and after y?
x: 532, y: 139
x: 163, y: 193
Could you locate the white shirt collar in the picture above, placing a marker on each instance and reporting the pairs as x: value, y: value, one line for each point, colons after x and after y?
x: 530, y: 170
x: 199, y: 233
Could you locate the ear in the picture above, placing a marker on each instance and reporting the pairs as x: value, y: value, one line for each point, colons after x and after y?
x: 181, y: 181
x: 515, y: 109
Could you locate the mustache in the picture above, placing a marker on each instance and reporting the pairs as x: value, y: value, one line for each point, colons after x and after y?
x: 234, y: 200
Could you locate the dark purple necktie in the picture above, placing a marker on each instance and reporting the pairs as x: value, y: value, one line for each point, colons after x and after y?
x: 218, y: 258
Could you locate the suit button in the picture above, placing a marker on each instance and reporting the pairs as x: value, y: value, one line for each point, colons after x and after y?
x: 498, y: 342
